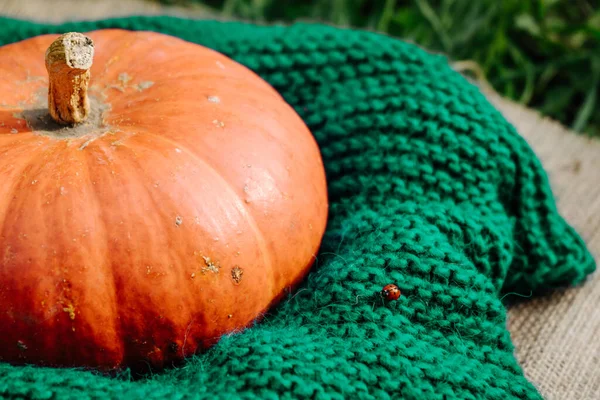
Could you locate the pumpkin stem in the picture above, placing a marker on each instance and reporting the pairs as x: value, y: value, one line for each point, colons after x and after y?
x: 68, y: 60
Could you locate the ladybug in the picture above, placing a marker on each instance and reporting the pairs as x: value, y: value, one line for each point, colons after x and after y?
x: 390, y: 292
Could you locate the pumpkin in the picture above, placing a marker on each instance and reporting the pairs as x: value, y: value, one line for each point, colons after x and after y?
x: 155, y: 195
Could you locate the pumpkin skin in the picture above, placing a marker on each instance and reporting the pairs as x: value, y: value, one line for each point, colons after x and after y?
x: 199, y: 203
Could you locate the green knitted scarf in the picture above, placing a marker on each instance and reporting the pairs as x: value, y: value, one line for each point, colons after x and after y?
x: 430, y: 188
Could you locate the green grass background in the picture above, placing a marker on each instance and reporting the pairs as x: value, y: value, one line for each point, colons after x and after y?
x: 542, y: 53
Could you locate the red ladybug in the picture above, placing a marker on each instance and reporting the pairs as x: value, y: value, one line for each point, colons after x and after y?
x: 390, y: 292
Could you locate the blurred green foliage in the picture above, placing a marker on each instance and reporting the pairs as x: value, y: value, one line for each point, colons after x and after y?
x: 542, y: 53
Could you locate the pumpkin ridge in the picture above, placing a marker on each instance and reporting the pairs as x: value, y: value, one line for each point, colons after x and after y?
x: 247, y: 214
x: 12, y: 205
x: 117, y: 321
x: 16, y: 182
x: 129, y: 348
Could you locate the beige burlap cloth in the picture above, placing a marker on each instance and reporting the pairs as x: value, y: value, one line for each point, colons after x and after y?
x: 557, y: 337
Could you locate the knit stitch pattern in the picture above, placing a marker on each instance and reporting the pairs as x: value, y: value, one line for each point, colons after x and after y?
x: 430, y: 188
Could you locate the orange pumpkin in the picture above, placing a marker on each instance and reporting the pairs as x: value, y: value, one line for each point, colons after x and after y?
x: 175, y: 205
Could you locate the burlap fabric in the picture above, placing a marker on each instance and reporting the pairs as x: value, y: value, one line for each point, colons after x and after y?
x: 64, y: 10
x: 556, y: 336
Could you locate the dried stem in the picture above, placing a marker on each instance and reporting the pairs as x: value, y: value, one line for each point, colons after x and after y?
x: 68, y: 60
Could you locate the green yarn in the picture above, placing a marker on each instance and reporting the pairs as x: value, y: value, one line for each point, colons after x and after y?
x: 430, y: 188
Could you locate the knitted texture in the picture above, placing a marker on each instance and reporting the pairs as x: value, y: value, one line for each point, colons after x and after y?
x: 430, y: 188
